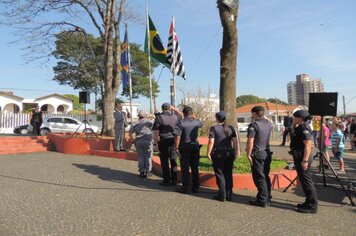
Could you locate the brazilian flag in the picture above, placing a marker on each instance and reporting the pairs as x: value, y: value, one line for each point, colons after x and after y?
x: 157, y: 50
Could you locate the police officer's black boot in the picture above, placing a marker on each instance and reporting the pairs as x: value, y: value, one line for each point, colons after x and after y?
x: 229, y: 196
x: 219, y: 198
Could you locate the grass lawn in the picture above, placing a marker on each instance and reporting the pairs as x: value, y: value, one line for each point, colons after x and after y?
x: 241, y: 164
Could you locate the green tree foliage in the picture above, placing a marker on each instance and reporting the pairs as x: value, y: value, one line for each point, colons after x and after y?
x: 100, y: 104
x: 76, y: 104
x: 277, y: 100
x: 77, y: 68
x: 251, y: 99
x: 248, y: 99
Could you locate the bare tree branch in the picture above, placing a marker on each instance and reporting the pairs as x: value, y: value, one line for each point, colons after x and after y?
x: 86, y: 8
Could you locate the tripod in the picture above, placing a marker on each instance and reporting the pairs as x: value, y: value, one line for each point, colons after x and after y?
x: 322, y: 158
x: 86, y: 123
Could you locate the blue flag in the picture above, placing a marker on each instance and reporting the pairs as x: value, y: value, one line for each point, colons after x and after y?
x: 124, y: 65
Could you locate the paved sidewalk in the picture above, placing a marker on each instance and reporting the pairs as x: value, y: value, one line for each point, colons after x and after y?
x: 56, y: 194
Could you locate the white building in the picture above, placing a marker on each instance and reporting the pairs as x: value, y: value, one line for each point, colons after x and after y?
x: 53, y: 103
x: 209, y: 103
x: 298, y: 91
x: 135, y: 110
x: 292, y: 92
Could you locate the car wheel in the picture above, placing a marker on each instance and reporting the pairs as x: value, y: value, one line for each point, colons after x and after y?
x: 88, y: 130
x: 23, y: 131
x: 44, y: 131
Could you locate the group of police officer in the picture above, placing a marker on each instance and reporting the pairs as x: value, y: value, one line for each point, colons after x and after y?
x: 176, y: 134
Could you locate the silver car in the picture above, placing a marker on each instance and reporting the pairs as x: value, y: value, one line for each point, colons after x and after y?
x: 65, y: 124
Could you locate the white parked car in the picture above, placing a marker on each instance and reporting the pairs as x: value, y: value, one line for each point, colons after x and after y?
x: 65, y: 124
x: 243, y: 127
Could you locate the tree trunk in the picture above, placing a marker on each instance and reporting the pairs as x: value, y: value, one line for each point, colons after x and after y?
x: 109, y: 95
x: 228, y: 61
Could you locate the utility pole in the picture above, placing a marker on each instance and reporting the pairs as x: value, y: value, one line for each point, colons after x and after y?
x: 343, y: 101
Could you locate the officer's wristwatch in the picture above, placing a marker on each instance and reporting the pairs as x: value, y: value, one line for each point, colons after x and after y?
x: 304, y: 161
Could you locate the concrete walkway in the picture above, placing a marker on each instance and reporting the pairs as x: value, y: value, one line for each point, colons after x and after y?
x: 56, y: 194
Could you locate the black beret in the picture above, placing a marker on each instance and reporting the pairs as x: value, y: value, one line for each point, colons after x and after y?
x: 301, y: 114
x: 220, y: 116
x: 166, y: 106
x: 257, y: 109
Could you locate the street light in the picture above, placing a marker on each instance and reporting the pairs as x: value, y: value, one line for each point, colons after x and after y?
x: 231, y: 3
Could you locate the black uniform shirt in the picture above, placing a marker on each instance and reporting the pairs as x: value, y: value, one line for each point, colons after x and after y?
x: 287, y: 121
x: 36, y: 117
x: 298, y: 135
x: 222, y: 138
x: 188, y: 130
x: 260, y: 130
x: 166, y: 124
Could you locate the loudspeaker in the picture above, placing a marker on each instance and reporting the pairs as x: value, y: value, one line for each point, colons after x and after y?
x: 84, y: 97
x: 323, y: 104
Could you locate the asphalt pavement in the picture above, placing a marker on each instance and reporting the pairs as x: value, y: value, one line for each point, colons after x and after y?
x: 56, y: 194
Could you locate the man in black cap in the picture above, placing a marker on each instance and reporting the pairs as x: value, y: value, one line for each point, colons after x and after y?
x: 287, y: 122
x: 187, y: 146
x: 300, y: 146
x: 259, y: 155
x: 164, y: 126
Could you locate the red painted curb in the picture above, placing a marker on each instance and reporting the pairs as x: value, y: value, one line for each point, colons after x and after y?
x: 103, y: 147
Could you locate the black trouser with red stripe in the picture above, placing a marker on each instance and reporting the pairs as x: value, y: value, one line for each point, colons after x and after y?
x: 261, y: 160
x: 189, y: 158
x: 167, y: 154
x: 223, y: 162
x: 305, y: 178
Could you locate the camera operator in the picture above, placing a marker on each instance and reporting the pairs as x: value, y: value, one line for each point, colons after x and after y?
x: 301, y: 141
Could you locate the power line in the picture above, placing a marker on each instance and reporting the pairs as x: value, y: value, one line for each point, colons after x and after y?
x: 38, y: 90
x: 201, y: 55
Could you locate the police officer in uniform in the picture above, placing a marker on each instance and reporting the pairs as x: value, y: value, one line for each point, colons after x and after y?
x: 187, y: 146
x: 300, y: 146
x: 222, y: 151
x: 287, y: 122
x: 164, y: 127
x: 120, y: 118
x: 259, y: 155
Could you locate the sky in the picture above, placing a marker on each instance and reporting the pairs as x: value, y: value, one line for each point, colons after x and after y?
x: 277, y: 39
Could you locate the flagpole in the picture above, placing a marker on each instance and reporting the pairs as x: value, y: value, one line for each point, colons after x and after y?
x: 149, y: 57
x: 173, y: 80
x: 129, y: 71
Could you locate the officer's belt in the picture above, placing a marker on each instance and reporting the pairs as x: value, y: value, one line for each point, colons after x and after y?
x: 222, y: 148
x: 190, y: 142
x: 260, y: 149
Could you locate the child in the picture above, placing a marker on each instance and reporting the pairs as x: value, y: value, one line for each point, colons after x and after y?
x: 338, y: 146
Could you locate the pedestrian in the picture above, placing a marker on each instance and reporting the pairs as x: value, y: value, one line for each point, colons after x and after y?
x: 222, y: 152
x: 338, y: 145
x: 353, y: 134
x: 300, y: 148
x: 188, y: 148
x: 287, y: 122
x: 316, y: 124
x: 164, y: 127
x: 36, y: 120
x: 325, y: 143
x: 119, y: 126
x: 259, y: 155
x: 143, y: 142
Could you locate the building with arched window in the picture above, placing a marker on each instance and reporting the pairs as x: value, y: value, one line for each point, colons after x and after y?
x: 53, y: 103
